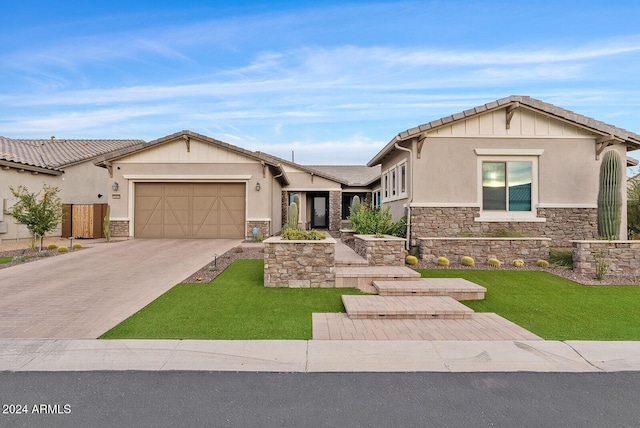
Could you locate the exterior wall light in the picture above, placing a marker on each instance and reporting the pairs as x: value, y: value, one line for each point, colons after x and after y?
x: 115, y: 186
x: 258, y: 186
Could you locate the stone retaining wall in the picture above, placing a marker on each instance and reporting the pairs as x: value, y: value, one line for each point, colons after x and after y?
x: 347, y: 236
x: 299, y: 264
x: 530, y: 250
x: 621, y: 257
x: 387, y: 251
x: 119, y: 228
x: 263, y: 228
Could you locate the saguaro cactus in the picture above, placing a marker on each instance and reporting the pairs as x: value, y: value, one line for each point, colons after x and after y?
x: 610, y: 196
x: 293, y: 216
x: 106, y: 224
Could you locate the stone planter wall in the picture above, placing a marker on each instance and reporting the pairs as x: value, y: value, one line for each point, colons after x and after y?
x: 530, y: 250
x: 622, y: 257
x: 348, y: 238
x: 387, y: 251
x: 299, y: 264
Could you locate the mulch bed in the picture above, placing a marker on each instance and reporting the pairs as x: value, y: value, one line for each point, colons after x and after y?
x: 207, y: 274
x: 29, y: 255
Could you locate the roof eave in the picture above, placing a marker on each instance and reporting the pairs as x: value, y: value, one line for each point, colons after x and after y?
x: 31, y: 168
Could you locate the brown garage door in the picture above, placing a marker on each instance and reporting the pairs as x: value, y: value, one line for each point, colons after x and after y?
x: 189, y: 210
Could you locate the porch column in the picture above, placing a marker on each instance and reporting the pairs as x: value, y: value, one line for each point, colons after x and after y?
x: 335, y: 210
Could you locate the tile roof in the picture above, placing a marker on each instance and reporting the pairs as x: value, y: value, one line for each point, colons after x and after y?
x: 56, y: 154
x: 596, y: 126
x: 352, y: 175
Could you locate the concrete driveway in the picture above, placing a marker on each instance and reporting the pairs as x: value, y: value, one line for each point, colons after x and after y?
x: 83, y: 294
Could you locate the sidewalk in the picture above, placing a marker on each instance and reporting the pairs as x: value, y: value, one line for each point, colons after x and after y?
x: 319, y: 356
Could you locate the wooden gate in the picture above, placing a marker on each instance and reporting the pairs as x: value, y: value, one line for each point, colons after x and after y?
x: 83, y: 221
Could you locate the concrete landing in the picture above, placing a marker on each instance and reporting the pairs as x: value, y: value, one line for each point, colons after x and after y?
x: 405, y: 307
x: 363, y: 277
x: 456, y: 288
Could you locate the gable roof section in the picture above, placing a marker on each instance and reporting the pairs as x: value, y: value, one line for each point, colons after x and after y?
x: 52, y: 156
x: 274, y: 163
x: 631, y: 139
x: 351, y: 175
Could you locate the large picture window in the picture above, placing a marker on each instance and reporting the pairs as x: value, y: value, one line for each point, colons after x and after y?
x: 506, y: 186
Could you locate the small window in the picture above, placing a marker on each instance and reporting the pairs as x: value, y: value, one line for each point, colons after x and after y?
x: 506, y: 186
x: 385, y: 186
x: 403, y: 179
x: 393, y: 183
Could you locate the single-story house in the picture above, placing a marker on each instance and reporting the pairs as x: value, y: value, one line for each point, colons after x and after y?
x: 66, y: 164
x: 516, y: 164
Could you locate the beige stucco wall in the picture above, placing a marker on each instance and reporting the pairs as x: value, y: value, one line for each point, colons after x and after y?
x: 80, y: 184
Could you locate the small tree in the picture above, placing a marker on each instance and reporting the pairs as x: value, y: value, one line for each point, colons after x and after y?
x: 40, y: 215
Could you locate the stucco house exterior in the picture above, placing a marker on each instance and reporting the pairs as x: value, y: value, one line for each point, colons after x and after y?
x: 516, y: 164
x: 66, y: 164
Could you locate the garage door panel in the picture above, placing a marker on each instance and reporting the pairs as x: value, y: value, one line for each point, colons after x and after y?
x: 190, y: 210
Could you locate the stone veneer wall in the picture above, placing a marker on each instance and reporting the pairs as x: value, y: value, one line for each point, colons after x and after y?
x: 561, y: 226
x: 285, y: 207
x: 264, y: 228
x: 387, y: 251
x: 347, y: 236
x: 299, y: 264
x: 335, y: 210
x: 119, y: 228
x: 623, y: 257
x: 530, y: 250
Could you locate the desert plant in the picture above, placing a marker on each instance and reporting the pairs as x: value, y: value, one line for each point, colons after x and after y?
x: 302, y: 235
x: 106, y: 224
x: 411, y: 260
x: 467, y: 261
x: 52, y: 247
x: 518, y: 263
x: 602, y: 265
x: 292, y: 222
x: 43, y: 253
x: 370, y: 221
x: 542, y: 264
x: 258, y: 237
x: 494, y: 263
x: 76, y: 246
x: 63, y: 249
x: 561, y: 257
x: 355, y: 204
x: 610, y: 196
x: 442, y: 262
x: 19, y: 258
x: 38, y: 215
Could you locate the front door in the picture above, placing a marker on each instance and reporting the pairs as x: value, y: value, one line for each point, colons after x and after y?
x: 319, y: 211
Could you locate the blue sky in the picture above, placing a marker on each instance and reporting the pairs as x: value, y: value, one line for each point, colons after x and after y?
x: 333, y: 81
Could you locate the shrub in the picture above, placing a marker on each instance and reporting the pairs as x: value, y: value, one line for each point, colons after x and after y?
x: 399, y: 228
x: 411, y: 260
x: 561, y: 257
x: 467, y: 261
x: 302, y: 235
x: 52, y: 247
x: 63, y: 249
x: 494, y: 263
x: 518, y: 263
x: 43, y: 253
x: 19, y: 258
x: 442, y: 262
x: 543, y: 264
x: 76, y: 246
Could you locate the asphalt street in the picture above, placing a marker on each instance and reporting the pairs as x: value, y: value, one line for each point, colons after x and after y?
x: 213, y: 399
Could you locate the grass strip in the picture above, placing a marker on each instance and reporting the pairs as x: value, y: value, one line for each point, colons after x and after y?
x: 553, y: 307
x: 235, y: 305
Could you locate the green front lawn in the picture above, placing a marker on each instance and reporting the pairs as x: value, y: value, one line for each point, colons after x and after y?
x: 554, y: 308
x: 6, y: 259
x: 235, y: 305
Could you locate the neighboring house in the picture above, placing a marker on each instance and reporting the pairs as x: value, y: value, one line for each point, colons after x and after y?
x: 66, y: 164
x: 517, y: 164
x: 188, y: 185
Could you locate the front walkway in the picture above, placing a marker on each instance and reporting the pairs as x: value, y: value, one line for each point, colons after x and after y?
x: 340, y: 326
x: 83, y: 294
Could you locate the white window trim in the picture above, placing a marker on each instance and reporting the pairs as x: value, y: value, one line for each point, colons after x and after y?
x: 401, y: 194
x: 510, y: 216
x: 385, y: 187
x: 393, y: 173
x: 394, y: 192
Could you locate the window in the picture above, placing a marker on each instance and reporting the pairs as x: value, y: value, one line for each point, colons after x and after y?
x: 394, y: 186
x: 506, y: 186
x: 385, y: 187
x: 376, y: 198
x: 403, y: 180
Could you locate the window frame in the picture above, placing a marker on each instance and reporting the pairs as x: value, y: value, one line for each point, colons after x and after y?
x: 403, y: 180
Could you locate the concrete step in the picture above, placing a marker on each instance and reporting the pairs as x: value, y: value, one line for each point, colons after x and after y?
x: 456, y: 288
x: 362, y: 277
x: 352, y: 263
x: 405, y: 307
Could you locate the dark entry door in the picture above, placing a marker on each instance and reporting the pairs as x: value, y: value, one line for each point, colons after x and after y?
x: 320, y: 211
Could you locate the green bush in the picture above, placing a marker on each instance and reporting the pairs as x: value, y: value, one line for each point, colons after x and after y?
x: 561, y: 257
x: 43, y: 253
x: 467, y: 261
x: 375, y: 221
x: 518, y: 263
x: 443, y: 262
x: 52, y: 247
x: 411, y: 260
x: 290, y: 234
x: 63, y: 249
x: 494, y: 263
x: 543, y: 264
x: 76, y: 246
x: 399, y: 228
